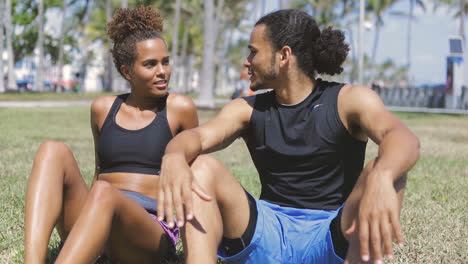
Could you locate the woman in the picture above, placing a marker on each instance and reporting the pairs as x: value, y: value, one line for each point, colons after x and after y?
x: 131, y: 131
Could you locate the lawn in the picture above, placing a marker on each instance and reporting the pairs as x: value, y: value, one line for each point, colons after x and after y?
x: 435, y: 209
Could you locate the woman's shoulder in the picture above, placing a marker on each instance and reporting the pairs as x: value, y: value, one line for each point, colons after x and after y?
x: 100, y: 108
x: 103, y: 103
x: 180, y: 103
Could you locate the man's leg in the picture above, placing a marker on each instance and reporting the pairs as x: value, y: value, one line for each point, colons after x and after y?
x: 351, y: 208
x: 226, y: 215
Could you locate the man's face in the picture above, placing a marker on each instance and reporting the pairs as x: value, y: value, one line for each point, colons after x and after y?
x: 261, y: 62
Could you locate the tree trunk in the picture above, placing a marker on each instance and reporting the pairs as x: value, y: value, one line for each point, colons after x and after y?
x: 108, y: 67
x: 11, y: 56
x: 462, y: 19
x: 183, y: 59
x: 256, y: 10
x: 39, y: 80
x: 175, y: 46
x: 374, y: 52
x: 2, y: 75
x: 207, y: 74
x: 62, y: 40
x: 354, y: 66
x: 408, y: 42
x: 284, y: 4
x: 122, y: 83
x: 218, y: 14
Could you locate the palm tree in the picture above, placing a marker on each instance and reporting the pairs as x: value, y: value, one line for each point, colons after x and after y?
x: 62, y: 38
x: 39, y: 83
x: 284, y: 4
x: 108, y: 56
x: 462, y: 8
x: 377, y: 7
x: 175, y: 43
x: 2, y: 77
x: 409, y: 34
x: 209, y: 41
x: 11, y: 56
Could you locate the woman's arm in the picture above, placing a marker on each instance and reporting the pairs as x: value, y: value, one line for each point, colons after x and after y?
x: 99, y: 110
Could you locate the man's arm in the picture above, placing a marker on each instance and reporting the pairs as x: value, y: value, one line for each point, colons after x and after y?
x: 364, y: 114
x: 176, y: 180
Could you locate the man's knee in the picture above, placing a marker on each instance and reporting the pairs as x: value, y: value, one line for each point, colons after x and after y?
x: 204, y: 169
x: 102, y: 194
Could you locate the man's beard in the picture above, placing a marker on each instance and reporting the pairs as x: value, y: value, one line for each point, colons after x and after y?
x: 267, y: 76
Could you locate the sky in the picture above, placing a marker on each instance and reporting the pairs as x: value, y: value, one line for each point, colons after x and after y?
x: 429, y: 46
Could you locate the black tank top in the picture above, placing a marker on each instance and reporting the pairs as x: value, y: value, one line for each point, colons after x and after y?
x: 305, y: 156
x: 136, y: 151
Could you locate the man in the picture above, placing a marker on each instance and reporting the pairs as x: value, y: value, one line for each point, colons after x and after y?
x: 307, y: 138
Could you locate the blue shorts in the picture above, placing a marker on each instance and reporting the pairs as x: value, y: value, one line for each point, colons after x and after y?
x: 288, y: 235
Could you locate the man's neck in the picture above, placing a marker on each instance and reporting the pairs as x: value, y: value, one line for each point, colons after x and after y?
x: 294, y: 89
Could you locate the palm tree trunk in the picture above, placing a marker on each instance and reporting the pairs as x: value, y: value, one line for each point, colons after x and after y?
x: 39, y: 83
x: 62, y: 39
x: 2, y: 75
x: 183, y: 58
x: 11, y: 56
x: 175, y: 45
x: 462, y: 18
x: 374, y: 53
x: 408, y: 42
x: 207, y: 74
x: 108, y: 69
x: 218, y: 14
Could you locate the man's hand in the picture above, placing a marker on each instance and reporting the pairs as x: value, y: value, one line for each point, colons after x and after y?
x: 378, y: 221
x: 175, y: 188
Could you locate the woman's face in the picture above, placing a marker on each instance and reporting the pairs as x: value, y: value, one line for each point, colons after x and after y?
x: 151, y: 70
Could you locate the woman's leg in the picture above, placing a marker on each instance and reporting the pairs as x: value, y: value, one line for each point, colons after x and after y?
x: 55, y: 194
x: 111, y: 220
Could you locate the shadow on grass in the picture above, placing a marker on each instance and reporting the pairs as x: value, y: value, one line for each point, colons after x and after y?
x: 53, y: 252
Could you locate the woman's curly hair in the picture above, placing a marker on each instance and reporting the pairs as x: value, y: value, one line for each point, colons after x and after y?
x: 316, y: 52
x: 129, y: 26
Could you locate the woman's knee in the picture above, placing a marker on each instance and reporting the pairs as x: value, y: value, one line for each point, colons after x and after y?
x: 52, y: 149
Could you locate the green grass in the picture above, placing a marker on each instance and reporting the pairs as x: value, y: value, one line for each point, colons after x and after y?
x: 435, y: 209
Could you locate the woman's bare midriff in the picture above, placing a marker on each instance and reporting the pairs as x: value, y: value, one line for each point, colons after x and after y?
x: 145, y: 184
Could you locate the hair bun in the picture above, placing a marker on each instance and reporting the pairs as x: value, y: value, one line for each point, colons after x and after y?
x: 330, y: 51
x: 126, y: 21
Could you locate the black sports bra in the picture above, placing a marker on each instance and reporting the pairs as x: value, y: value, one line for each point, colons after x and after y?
x: 136, y: 151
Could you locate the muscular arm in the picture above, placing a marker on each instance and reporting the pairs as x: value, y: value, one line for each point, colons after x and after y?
x: 214, y: 135
x: 177, y: 182
x: 364, y: 114
x: 377, y: 220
